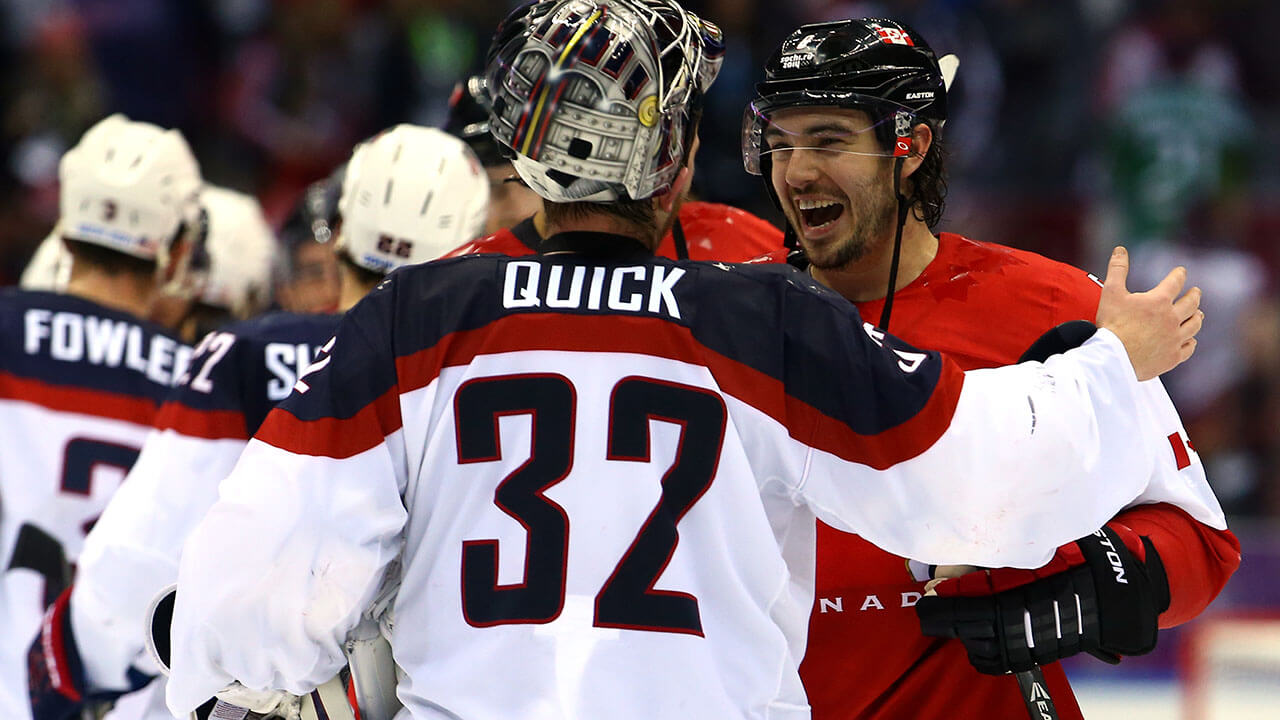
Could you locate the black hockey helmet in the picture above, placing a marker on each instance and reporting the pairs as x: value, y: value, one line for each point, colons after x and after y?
x: 315, y: 217
x: 468, y: 120
x: 879, y: 66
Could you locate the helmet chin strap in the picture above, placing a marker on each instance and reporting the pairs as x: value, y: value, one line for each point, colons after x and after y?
x: 678, y: 237
x: 902, y: 148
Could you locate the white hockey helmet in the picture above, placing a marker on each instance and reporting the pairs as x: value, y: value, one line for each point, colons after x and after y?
x: 129, y: 186
x: 598, y: 99
x: 410, y: 195
x: 240, y: 251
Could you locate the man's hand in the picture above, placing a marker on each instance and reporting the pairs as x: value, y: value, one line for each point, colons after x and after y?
x: 1102, y: 594
x: 262, y: 704
x: 1158, y: 328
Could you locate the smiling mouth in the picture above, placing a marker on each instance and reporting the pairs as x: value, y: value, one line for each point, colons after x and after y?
x: 819, y: 214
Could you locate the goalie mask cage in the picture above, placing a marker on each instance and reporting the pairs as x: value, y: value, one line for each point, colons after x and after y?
x: 1231, y: 667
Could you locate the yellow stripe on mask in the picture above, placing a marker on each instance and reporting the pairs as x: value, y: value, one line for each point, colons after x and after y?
x: 542, y: 99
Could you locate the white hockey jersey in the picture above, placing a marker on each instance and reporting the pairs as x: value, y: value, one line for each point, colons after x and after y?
x: 598, y: 473
x: 79, y: 386
x: 236, y: 376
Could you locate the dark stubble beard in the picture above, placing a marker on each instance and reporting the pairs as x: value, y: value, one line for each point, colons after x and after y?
x: 873, y: 209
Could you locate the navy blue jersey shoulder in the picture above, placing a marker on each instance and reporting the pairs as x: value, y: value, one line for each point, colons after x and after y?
x: 249, y: 366
x: 70, y: 341
x: 780, y: 321
x: 771, y: 318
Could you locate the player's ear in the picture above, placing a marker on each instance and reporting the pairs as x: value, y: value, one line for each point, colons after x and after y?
x: 921, y: 143
x: 666, y: 202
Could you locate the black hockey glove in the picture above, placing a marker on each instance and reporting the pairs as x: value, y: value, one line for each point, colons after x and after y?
x: 1102, y: 594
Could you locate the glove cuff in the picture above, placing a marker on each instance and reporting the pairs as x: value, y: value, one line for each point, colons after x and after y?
x: 1126, y: 598
x: 55, y: 652
x: 1156, y: 573
x: 1144, y: 550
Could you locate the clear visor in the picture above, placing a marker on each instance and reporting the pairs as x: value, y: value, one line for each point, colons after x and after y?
x: 828, y: 122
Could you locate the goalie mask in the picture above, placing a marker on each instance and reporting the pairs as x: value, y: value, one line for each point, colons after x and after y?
x: 598, y: 99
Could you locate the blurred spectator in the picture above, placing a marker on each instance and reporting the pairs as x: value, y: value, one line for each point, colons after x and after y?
x: 297, y: 96
x: 1048, y: 54
x: 429, y: 45
x: 155, y: 58
x: 1259, y: 398
x: 1176, y: 164
x: 54, y: 96
x: 752, y: 29
x: 1180, y: 130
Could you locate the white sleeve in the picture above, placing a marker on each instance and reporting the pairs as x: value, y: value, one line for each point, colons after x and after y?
x: 1036, y: 455
x: 1178, y: 475
x: 279, y: 570
x: 132, y: 551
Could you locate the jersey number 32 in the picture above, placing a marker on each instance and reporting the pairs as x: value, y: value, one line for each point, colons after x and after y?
x: 628, y: 598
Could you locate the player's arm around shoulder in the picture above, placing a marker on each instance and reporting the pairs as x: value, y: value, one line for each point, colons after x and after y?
x: 1155, y: 564
x: 1064, y: 423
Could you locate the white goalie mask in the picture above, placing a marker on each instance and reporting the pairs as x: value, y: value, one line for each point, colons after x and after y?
x: 409, y: 196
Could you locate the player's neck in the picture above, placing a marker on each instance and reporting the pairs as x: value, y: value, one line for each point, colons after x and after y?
x: 122, y: 291
x: 354, y: 288
x: 599, y: 223
x: 868, y: 279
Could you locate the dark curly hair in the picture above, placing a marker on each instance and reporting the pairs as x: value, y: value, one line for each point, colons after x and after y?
x: 927, y: 186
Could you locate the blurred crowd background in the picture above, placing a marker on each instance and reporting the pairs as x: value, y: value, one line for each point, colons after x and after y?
x: 1075, y: 124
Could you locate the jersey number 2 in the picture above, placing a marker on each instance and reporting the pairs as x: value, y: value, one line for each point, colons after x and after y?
x: 628, y: 598
x: 35, y: 549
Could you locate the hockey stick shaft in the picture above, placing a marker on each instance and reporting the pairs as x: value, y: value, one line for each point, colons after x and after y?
x: 1035, y: 693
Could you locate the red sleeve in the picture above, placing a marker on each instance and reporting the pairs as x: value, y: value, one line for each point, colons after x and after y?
x: 1197, y: 559
x: 1077, y: 296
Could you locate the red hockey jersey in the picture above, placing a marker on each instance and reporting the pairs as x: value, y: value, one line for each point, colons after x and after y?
x: 983, y: 305
x: 712, y: 232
